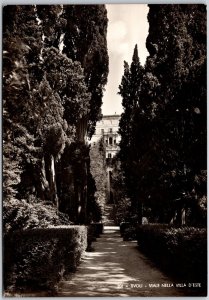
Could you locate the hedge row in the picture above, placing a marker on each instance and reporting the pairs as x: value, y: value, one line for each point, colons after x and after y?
x: 94, y: 231
x: 98, y: 228
x: 39, y: 258
x: 123, y: 227
x: 128, y: 231
x: 182, y: 251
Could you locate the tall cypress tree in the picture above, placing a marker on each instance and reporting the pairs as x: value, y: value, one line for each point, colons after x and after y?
x: 130, y: 90
x: 85, y: 41
x: 170, y: 120
x: 21, y: 44
x: 178, y: 58
x: 45, y: 97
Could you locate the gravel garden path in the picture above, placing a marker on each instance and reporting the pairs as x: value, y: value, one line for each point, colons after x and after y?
x: 117, y: 268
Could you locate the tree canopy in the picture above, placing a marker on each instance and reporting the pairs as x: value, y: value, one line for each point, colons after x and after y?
x: 48, y: 95
x: 166, y: 130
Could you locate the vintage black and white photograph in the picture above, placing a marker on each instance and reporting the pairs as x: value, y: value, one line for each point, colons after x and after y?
x: 104, y: 110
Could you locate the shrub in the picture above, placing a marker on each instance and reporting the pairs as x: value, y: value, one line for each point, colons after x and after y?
x: 182, y: 250
x: 123, y: 206
x: 91, y: 236
x: 123, y: 227
x: 99, y: 228
x: 129, y: 234
x: 93, y: 231
x: 21, y: 215
x: 39, y: 258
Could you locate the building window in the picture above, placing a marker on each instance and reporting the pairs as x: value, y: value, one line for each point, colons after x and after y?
x: 109, y: 155
x: 110, y: 130
x: 114, y: 142
x: 102, y: 131
x: 106, y: 141
x: 110, y: 141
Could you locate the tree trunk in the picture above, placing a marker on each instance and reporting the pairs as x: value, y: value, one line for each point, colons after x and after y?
x: 43, y: 184
x: 179, y: 217
x: 51, y: 178
x: 81, y: 130
x: 81, y: 189
x: 52, y: 182
x: 82, y: 196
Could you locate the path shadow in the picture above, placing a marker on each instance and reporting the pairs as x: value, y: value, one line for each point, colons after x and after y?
x: 116, y: 268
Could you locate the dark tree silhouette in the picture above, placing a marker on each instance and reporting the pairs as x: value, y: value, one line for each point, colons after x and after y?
x: 85, y: 41
x: 47, y: 101
x: 164, y: 136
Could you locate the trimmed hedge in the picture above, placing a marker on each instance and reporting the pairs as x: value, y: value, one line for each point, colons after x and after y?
x: 93, y: 231
x: 97, y: 228
x: 129, y: 234
x: 181, y: 251
x: 128, y: 231
x: 91, y: 237
x: 123, y: 227
x: 39, y: 258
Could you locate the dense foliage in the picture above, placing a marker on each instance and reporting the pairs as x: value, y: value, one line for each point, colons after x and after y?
x: 99, y: 172
x: 38, y: 258
x: 180, y: 251
x: 123, y: 211
x: 50, y: 99
x: 163, y: 127
x: 85, y: 41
